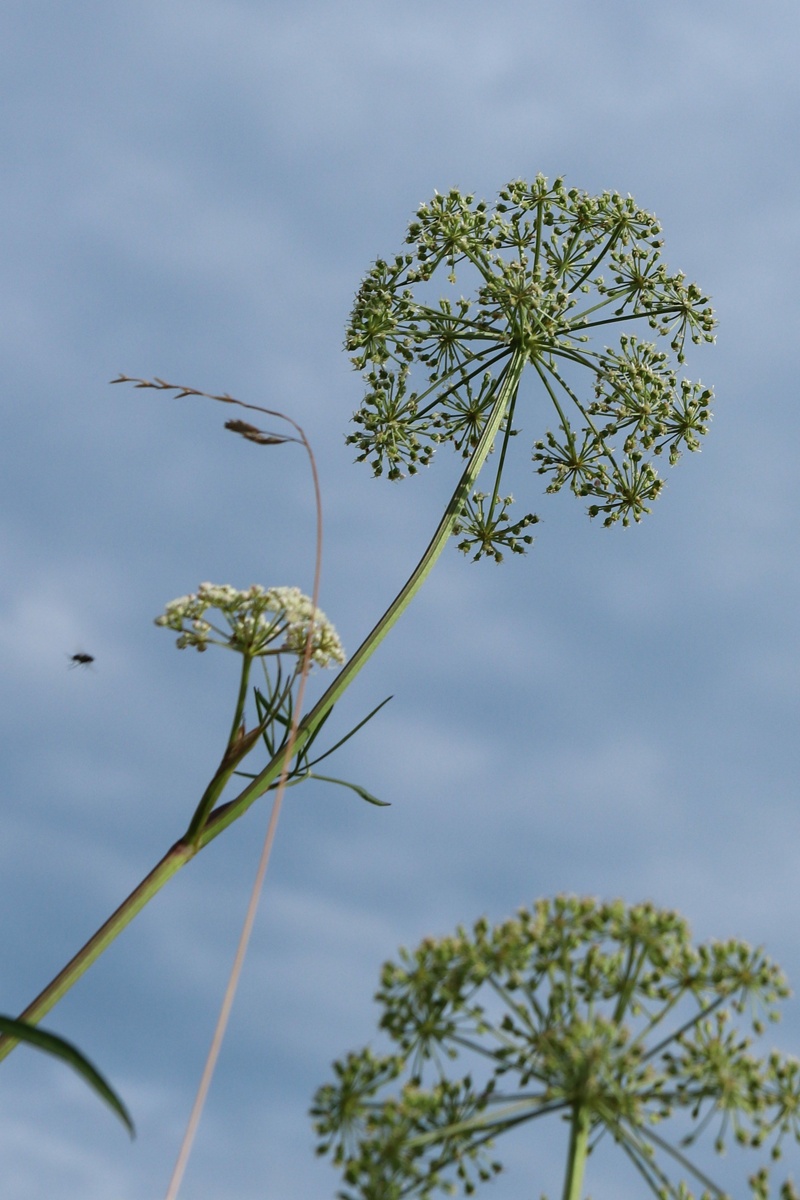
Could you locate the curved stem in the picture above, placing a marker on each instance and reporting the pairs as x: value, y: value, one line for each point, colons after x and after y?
x: 266, y: 849
x: 226, y: 814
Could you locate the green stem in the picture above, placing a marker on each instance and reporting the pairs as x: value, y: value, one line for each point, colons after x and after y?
x: 499, y: 472
x: 577, y: 1153
x: 196, y: 838
x: 239, y: 745
x: 241, y: 699
x: 227, y: 813
x: 172, y: 861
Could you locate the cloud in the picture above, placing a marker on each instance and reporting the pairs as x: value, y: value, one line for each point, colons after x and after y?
x: 195, y: 190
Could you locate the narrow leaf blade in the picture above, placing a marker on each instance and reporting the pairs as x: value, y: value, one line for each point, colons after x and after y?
x: 50, y: 1043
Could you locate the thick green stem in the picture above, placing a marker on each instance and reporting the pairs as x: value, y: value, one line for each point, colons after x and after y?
x: 196, y: 838
x: 172, y: 861
x: 577, y: 1153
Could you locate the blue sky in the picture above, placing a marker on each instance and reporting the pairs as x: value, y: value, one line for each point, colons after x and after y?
x: 194, y: 191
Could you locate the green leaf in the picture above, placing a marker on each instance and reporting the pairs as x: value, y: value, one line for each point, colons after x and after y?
x: 59, y: 1048
x: 347, y: 736
x: 354, y: 787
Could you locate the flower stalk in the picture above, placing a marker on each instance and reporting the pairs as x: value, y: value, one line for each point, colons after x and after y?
x: 241, y: 699
x: 226, y: 814
x: 207, y: 824
x: 451, y: 372
x: 602, y: 1014
x: 577, y: 1153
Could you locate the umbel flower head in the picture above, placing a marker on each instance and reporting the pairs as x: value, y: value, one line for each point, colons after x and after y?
x: 549, y: 272
x: 261, y: 621
x: 603, y: 1014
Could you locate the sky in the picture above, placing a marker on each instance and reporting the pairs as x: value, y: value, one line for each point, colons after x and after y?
x: 194, y: 191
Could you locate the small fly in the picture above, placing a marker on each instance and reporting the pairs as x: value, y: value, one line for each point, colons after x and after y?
x: 81, y: 660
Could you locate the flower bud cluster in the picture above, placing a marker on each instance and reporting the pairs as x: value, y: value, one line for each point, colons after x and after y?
x: 571, y: 1007
x: 535, y: 297
x: 260, y: 621
x: 489, y: 528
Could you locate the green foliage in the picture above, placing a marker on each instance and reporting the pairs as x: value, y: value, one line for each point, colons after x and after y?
x: 535, y: 262
x: 575, y: 1007
x: 50, y: 1043
x: 275, y: 708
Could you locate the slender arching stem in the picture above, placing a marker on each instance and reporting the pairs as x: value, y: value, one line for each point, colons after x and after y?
x: 266, y: 849
x: 226, y: 814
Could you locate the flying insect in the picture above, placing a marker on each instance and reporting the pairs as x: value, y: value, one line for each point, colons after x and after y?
x: 81, y: 660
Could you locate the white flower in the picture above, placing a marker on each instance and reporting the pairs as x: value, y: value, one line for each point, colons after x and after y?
x: 260, y: 621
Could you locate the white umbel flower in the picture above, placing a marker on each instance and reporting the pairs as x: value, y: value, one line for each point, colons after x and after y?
x: 260, y: 621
